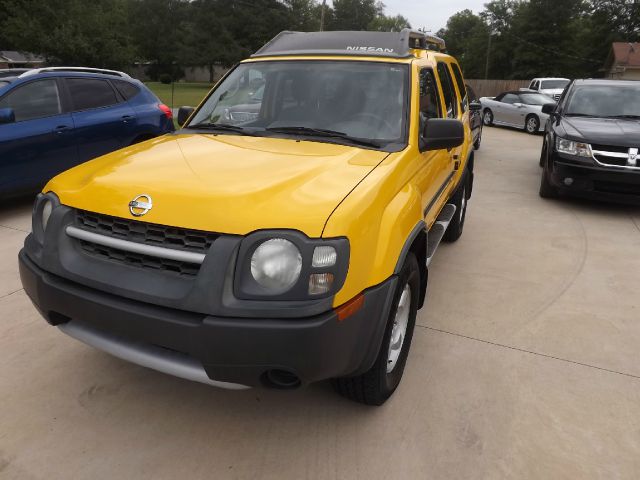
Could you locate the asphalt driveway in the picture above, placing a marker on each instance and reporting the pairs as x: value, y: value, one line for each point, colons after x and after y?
x: 525, y: 364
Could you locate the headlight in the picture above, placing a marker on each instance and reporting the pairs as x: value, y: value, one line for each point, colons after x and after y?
x: 276, y: 265
x: 286, y: 265
x: 570, y: 147
x: 47, y: 208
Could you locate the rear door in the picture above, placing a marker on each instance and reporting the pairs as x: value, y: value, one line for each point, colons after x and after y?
x: 40, y: 143
x: 509, y: 113
x: 104, y: 122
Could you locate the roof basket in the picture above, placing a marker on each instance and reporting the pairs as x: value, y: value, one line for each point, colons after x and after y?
x: 103, y: 71
x: 379, y: 44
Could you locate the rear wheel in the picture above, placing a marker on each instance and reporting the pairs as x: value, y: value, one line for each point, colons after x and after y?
x: 377, y: 384
x: 460, y: 200
x: 532, y: 124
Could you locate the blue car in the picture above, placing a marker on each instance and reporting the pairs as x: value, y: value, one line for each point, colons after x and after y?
x: 52, y: 119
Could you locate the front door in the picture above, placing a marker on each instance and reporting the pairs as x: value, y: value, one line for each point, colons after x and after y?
x: 40, y: 143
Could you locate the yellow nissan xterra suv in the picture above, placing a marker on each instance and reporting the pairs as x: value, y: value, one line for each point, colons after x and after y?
x: 283, y: 235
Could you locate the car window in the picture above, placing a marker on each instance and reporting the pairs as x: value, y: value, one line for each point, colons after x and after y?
x: 510, y: 98
x: 472, y: 94
x: 34, y: 100
x: 126, y: 89
x: 450, y: 98
x: 535, y: 99
x: 553, y: 84
x: 536, y: 85
x: 461, y: 86
x: 87, y: 93
x: 367, y: 100
x: 429, y: 97
x: 2, y: 83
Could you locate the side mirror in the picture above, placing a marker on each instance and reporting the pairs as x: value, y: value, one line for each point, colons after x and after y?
x: 475, y: 106
x: 548, y: 108
x: 183, y: 114
x: 440, y: 134
x: 7, y: 115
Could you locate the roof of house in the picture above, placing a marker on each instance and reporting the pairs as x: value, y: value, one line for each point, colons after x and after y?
x: 626, y: 54
x: 20, y: 57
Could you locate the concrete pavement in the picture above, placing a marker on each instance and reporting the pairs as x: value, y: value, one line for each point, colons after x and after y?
x: 524, y: 365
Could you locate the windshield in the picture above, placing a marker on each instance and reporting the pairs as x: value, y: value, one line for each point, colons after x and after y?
x: 605, y: 101
x: 554, y: 84
x: 535, y: 99
x: 362, y: 100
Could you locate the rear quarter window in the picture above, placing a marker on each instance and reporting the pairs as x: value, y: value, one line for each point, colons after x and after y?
x: 126, y: 89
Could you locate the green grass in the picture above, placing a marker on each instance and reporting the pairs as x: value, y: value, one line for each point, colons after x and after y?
x: 190, y: 94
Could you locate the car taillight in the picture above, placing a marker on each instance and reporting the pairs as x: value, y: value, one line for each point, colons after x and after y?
x: 166, y: 110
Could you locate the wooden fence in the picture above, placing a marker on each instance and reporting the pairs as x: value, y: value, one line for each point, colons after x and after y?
x: 491, y: 88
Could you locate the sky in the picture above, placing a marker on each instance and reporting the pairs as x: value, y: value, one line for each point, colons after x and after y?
x: 431, y: 14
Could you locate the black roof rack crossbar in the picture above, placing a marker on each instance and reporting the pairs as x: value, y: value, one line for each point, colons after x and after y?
x: 377, y: 44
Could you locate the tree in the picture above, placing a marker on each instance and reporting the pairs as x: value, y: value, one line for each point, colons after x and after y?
x: 384, y: 23
x: 466, y: 35
x: 354, y: 14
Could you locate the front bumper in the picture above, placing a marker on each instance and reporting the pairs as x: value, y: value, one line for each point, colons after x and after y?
x: 615, y: 185
x: 228, y: 352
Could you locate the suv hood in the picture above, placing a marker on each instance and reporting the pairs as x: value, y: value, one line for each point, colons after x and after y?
x: 603, y: 131
x: 221, y: 183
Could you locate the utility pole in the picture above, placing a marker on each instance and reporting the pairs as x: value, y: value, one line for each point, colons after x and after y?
x: 486, y: 67
x: 324, y: 4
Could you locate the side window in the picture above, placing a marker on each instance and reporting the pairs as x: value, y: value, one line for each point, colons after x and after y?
x: 461, y: 86
x: 536, y: 85
x: 34, y: 100
x: 429, y: 97
x: 510, y: 98
x: 472, y: 94
x: 126, y: 89
x: 450, y: 99
x: 87, y: 93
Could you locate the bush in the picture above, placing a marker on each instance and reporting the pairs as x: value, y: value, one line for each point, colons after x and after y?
x: 165, y: 78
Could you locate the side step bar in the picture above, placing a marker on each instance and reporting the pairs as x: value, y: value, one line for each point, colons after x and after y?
x: 438, y: 230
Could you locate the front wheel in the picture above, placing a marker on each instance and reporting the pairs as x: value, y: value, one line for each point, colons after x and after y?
x: 547, y: 190
x: 377, y: 384
x: 487, y: 117
x: 532, y: 124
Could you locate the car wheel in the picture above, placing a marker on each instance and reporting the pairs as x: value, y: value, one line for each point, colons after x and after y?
x: 460, y: 200
x: 476, y: 144
x: 532, y: 124
x: 546, y: 189
x: 487, y: 117
x: 543, y: 154
x: 377, y: 384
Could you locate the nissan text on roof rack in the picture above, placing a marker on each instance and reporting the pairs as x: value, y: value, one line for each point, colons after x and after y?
x: 283, y: 235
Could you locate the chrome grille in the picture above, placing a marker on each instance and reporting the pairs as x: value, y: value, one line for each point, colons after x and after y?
x: 150, y: 234
x: 614, y: 156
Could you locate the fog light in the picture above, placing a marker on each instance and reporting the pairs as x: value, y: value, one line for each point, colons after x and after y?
x: 320, y: 283
x: 324, y: 257
x: 568, y: 181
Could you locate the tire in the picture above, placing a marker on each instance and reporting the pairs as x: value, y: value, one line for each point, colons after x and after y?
x: 487, y: 117
x: 476, y: 144
x: 546, y: 189
x: 532, y: 124
x: 375, y: 386
x: 543, y: 154
x: 460, y: 200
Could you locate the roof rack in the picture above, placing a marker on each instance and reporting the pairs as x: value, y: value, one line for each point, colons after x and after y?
x: 103, y: 71
x: 378, y: 44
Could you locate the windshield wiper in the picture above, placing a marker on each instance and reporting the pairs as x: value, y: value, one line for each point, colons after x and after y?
x: 633, y: 117
x: 216, y: 126
x: 321, y: 132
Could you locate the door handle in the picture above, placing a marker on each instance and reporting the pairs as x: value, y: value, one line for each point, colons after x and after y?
x: 126, y: 118
x: 60, y: 129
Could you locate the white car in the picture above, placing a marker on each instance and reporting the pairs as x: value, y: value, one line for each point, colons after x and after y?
x: 516, y: 109
x: 553, y: 87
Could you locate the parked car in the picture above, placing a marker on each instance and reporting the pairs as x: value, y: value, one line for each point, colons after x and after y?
x: 12, y: 72
x: 288, y: 248
x: 552, y: 87
x: 475, y: 117
x: 516, y: 109
x: 592, y: 141
x: 53, y: 119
